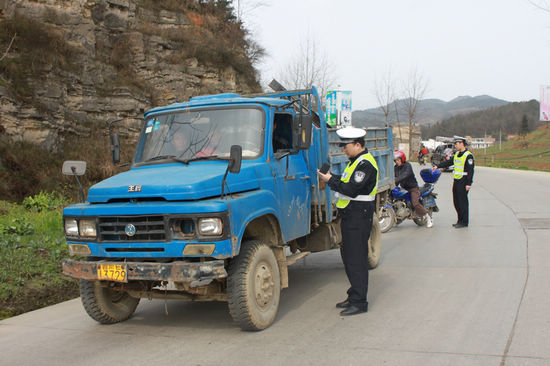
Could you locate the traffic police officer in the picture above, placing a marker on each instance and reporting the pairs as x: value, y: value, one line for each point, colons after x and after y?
x: 356, y: 193
x: 463, y: 175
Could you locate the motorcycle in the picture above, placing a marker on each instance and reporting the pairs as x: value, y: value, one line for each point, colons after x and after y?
x: 399, y: 206
x: 422, y: 159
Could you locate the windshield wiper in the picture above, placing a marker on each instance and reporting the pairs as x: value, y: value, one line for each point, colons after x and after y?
x: 168, y: 157
x: 200, y: 158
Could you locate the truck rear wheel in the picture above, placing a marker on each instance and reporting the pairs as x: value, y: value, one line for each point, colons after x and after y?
x: 254, y: 286
x: 106, y: 305
x: 375, y: 244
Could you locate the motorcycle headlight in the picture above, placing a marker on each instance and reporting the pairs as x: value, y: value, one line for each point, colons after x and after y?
x: 87, y: 228
x: 211, y: 226
x: 71, y: 227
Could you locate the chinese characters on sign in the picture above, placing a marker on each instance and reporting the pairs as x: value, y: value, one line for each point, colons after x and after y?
x: 338, y: 108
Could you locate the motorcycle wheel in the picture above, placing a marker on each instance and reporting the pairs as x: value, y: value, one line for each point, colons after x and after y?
x: 386, y: 218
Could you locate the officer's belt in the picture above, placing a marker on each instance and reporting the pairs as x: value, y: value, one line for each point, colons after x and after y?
x: 361, y: 197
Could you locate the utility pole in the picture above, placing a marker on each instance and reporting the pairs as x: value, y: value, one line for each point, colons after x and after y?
x: 500, y: 139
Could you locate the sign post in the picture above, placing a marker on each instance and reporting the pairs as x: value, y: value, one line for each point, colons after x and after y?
x: 545, y: 103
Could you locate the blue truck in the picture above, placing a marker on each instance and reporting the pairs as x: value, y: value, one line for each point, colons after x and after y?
x: 221, y: 197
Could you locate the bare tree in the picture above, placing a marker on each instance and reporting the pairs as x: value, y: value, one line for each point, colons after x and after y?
x: 384, y: 90
x: 309, y: 67
x: 8, y: 48
x: 414, y: 88
x: 541, y: 4
x: 396, y: 109
x: 244, y: 8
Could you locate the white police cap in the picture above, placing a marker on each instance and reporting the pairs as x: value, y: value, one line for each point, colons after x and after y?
x: 459, y: 139
x: 350, y: 134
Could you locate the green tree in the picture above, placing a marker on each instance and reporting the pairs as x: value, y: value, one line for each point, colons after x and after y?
x: 524, y: 127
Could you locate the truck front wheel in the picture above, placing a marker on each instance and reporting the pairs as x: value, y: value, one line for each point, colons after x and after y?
x: 254, y: 286
x: 106, y: 305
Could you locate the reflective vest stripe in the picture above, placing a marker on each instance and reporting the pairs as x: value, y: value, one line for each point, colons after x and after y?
x: 361, y: 197
x: 343, y: 200
x: 459, y: 163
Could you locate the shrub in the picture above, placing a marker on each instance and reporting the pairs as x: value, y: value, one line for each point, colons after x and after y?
x: 18, y: 226
x: 43, y: 201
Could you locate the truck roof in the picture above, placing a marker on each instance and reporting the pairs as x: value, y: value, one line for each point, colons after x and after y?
x: 217, y: 99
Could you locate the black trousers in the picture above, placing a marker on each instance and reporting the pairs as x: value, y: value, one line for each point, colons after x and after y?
x: 460, y: 199
x: 356, y: 227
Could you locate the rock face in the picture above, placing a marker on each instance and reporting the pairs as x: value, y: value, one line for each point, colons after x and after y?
x: 73, y: 65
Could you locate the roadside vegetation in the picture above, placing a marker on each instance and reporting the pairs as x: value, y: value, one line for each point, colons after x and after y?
x: 32, y: 247
x: 530, y: 151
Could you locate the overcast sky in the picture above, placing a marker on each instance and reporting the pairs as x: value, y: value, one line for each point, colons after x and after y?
x: 463, y: 47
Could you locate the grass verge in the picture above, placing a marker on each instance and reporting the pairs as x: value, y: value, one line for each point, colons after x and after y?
x: 32, y: 246
x: 530, y: 152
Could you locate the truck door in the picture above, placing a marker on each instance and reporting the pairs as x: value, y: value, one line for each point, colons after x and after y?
x: 292, y: 183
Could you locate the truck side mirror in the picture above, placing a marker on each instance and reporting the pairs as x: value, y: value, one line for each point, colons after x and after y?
x: 235, y: 158
x: 72, y: 167
x: 115, y: 148
x: 302, y: 127
x: 76, y: 168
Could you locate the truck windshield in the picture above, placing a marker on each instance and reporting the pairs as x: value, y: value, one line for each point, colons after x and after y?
x: 189, y: 135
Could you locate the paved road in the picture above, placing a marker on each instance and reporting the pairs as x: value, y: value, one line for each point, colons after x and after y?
x: 441, y: 296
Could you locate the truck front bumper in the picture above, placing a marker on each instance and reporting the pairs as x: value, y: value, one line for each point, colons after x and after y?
x: 198, y: 273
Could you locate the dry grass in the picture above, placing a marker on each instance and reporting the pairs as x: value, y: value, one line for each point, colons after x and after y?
x: 28, y: 169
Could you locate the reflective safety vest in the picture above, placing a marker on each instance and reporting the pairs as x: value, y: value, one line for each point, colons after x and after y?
x: 459, y: 164
x: 344, y: 200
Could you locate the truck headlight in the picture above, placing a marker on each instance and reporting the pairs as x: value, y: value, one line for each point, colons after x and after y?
x: 71, y: 227
x: 211, y: 226
x: 87, y: 228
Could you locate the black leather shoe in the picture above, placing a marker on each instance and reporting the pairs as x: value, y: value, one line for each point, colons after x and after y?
x: 354, y: 310
x: 458, y: 226
x: 454, y: 225
x: 343, y: 305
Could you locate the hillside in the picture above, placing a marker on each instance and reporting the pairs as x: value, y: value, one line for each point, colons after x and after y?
x: 67, y: 67
x: 429, y: 110
x: 531, y: 152
x: 505, y: 119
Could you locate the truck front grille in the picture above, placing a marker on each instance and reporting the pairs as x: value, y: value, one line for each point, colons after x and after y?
x: 147, y: 228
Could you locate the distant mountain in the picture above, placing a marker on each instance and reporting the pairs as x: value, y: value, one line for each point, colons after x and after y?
x: 429, y: 111
x: 493, y: 121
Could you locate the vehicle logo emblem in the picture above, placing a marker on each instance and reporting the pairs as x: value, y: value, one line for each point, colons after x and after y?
x: 130, y: 230
x: 134, y: 188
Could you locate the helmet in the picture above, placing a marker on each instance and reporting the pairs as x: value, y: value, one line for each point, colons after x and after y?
x: 399, y: 155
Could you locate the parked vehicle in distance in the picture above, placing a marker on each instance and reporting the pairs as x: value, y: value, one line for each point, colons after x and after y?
x: 443, y: 153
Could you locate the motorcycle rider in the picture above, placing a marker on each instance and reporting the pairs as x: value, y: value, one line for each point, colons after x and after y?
x: 422, y: 154
x: 404, y: 176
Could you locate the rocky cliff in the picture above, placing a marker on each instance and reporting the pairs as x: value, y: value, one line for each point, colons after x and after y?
x: 69, y: 66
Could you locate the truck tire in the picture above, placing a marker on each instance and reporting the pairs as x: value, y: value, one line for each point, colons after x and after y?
x: 254, y: 286
x: 105, y: 305
x: 375, y: 244
x: 386, y: 218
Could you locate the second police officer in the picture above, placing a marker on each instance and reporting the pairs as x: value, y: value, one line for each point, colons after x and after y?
x: 356, y: 192
x: 463, y: 175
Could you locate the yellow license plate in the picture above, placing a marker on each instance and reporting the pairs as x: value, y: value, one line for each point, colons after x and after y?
x: 112, y: 272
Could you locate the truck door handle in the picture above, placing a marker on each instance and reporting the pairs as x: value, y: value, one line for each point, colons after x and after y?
x: 290, y: 177
x: 304, y: 177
